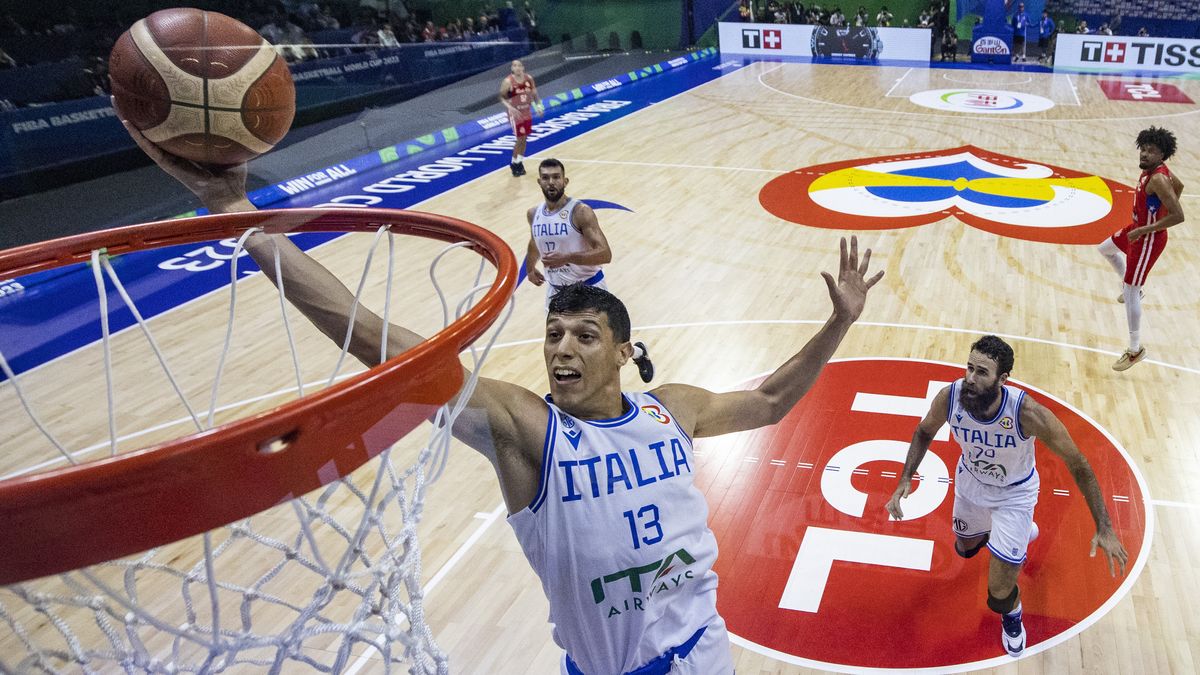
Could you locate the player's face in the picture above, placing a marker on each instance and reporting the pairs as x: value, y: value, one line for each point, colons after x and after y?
x: 582, y: 360
x: 1149, y: 156
x: 981, y: 384
x: 552, y: 182
x: 518, y: 69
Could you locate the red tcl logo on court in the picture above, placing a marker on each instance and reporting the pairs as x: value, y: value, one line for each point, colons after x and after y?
x: 814, y: 572
x: 1136, y: 90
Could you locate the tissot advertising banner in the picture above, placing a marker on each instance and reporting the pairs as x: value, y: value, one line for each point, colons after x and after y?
x: 825, y: 42
x: 1124, y: 53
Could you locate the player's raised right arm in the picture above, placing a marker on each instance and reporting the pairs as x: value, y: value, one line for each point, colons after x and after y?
x: 496, y: 409
x: 922, y: 437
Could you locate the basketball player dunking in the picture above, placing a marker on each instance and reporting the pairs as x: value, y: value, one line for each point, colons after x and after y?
x: 565, y: 234
x: 1133, y: 250
x: 518, y: 93
x: 996, y: 483
x: 598, y: 482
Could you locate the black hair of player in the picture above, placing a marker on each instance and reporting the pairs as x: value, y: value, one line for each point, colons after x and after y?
x: 550, y: 163
x: 1160, y: 138
x: 580, y: 297
x: 997, y: 350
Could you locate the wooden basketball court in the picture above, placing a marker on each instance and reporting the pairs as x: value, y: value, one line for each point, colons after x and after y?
x: 722, y: 291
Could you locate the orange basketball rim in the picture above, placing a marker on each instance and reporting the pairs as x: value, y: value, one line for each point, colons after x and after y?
x: 73, y: 517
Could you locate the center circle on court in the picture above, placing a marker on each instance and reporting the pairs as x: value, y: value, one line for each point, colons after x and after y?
x: 982, y: 101
x: 813, y: 572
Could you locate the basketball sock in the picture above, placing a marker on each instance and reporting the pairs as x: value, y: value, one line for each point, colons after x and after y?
x: 1133, y: 313
x: 1114, y: 256
x: 520, y: 158
x: 1016, y: 611
x: 637, y: 352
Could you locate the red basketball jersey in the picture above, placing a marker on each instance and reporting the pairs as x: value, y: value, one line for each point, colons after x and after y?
x: 1148, y: 208
x: 520, y: 94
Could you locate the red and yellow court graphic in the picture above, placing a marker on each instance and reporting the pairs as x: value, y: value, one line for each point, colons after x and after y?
x: 814, y: 572
x: 1004, y: 195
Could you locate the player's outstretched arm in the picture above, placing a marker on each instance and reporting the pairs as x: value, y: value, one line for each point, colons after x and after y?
x: 705, y: 413
x: 922, y: 437
x: 502, y: 419
x: 1037, y: 420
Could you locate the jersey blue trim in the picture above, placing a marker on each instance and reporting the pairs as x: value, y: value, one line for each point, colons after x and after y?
x: 1017, y: 415
x: 626, y: 416
x: 674, y: 419
x: 594, y: 279
x: 547, y: 459
x: 950, y: 403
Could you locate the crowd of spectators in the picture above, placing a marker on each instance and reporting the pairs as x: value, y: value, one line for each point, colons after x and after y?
x: 785, y: 11
x: 76, y: 45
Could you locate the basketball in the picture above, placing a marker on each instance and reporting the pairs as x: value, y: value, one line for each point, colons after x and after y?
x: 202, y: 86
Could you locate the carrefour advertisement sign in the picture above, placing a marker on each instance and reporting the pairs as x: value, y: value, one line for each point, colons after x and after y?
x: 825, y: 43
x: 1119, y: 53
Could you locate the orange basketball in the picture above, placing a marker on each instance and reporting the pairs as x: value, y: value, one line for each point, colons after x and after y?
x: 202, y: 86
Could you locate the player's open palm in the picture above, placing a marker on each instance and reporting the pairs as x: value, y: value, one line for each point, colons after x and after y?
x: 893, y: 506
x: 1107, y: 540
x: 849, y: 292
x: 207, y: 183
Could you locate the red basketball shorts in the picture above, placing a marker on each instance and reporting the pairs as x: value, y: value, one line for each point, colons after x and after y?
x: 522, y: 122
x: 1140, y: 255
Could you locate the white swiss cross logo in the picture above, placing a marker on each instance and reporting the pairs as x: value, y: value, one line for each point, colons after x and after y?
x: 772, y: 39
x: 1114, y: 53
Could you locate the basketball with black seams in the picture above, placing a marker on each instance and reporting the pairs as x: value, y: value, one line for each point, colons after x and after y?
x: 202, y: 86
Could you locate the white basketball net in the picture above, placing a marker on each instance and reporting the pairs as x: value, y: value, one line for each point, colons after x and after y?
x: 333, y: 608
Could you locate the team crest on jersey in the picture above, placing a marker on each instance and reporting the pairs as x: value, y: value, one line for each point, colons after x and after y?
x: 1004, y: 195
x: 657, y: 413
x: 1006, y: 422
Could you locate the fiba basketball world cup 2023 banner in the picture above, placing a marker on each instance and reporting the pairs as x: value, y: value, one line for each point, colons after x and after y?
x: 837, y: 44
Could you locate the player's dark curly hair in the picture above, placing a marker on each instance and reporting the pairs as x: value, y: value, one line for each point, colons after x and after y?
x: 550, y: 163
x: 1160, y: 138
x: 581, y: 298
x: 997, y: 350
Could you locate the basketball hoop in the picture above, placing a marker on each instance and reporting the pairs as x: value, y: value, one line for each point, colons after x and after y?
x: 83, y: 515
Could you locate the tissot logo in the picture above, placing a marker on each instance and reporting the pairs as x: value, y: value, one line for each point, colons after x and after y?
x: 753, y: 38
x: 1150, y: 53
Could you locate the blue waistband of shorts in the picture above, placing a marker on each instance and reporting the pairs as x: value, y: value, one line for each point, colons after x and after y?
x: 660, y: 665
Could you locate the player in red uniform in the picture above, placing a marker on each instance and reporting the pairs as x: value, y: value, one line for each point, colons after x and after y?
x: 1134, y: 249
x: 518, y: 93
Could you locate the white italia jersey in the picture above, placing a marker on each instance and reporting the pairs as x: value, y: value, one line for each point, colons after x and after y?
x: 996, y: 451
x: 618, y: 535
x: 556, y: 231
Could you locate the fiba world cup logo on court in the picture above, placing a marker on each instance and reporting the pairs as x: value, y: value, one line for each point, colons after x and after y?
x: 1007, y: 196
